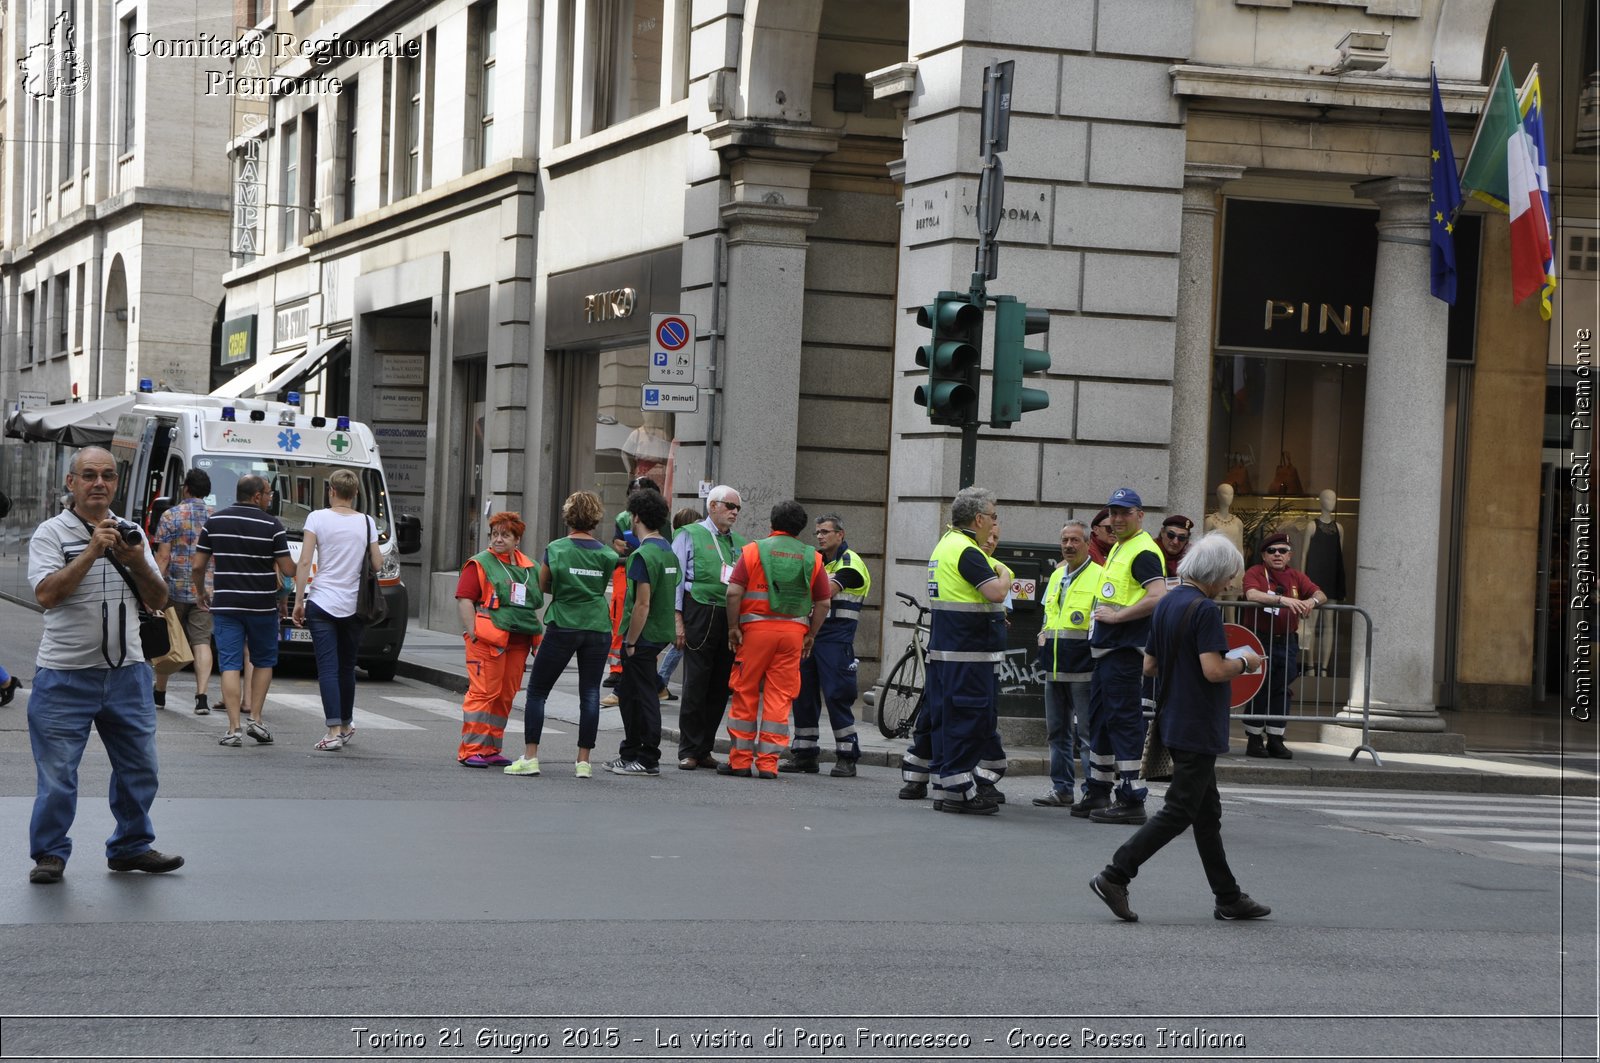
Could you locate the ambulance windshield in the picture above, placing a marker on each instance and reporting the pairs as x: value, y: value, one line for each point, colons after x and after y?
x: 298, y: 487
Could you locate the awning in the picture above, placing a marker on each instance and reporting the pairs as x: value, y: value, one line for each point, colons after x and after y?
x: 309, y: 362
x: 76, y: 424
x: 249, y: 382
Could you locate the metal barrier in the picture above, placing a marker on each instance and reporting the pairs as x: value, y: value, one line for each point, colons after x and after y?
x: 1312, y: 668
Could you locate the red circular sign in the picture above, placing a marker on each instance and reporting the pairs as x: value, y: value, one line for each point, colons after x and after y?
x: 1246, y: 686
x: 673, y: 333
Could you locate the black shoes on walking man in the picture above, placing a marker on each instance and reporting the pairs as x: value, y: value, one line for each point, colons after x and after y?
x: 1115, y: 895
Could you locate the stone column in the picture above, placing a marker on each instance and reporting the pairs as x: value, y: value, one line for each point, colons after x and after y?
x: 767, y: 218
x: 1402, y: 454
x: 1191, y: 364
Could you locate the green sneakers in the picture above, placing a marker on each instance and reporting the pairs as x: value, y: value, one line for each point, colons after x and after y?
x: 582, y: 770
x: 523, y: 766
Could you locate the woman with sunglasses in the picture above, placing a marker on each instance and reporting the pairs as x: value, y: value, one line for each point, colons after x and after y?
x: 1174, y: 541
x: 1288, y: 595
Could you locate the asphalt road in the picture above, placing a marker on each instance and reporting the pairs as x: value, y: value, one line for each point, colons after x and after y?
x: 455, y: 913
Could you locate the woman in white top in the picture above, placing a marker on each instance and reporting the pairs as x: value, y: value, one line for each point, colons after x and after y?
x: 338, y: 540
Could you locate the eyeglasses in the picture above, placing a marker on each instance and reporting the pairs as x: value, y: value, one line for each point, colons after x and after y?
x: 1177, y: 538
x: 1276, y: 550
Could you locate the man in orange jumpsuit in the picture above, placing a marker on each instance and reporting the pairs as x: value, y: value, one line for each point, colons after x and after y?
x: 778, y: 596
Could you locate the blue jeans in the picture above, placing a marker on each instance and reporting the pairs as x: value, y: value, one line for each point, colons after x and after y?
x: 335, y: 640
x: 559, y: 646
x: 117, y: 702
x: 669, y: 664
x: 1066, y: 721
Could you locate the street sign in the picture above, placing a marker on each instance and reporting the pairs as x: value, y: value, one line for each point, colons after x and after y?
x: 994, y: 131
x: 1244, y: 687
x: 671, y: 349
x: 670, y: 398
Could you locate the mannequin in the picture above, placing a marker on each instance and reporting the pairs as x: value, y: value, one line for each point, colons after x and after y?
x: 1321, y: 553
x: 1225, y: 521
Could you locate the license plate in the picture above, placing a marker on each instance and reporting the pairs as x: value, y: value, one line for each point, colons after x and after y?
x: 297, y: 634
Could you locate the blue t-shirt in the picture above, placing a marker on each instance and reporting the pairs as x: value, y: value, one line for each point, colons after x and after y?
x: 1194, y: 710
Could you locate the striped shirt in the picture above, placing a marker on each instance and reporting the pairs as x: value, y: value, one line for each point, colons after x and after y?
x: 245, y: 542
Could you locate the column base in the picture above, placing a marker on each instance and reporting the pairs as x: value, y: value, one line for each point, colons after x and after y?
x: 1386, y: 738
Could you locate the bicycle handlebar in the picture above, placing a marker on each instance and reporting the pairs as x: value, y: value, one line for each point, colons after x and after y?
x: 904, y: 597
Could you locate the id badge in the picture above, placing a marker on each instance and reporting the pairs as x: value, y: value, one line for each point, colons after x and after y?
x: 519, y: 594
x: 727, y: 573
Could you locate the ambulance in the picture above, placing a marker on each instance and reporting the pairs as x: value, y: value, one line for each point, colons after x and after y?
x: 159, y: 436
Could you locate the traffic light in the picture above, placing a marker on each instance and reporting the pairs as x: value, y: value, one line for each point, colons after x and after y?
x: 951, y: 357
x: 1013, y: 323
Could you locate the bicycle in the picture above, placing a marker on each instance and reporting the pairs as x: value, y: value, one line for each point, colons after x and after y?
x: 900, y: 696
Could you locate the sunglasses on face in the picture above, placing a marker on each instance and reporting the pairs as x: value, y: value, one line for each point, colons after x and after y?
x: 1276, y: 550
x: 1177, y: 537
x: 731, y: 505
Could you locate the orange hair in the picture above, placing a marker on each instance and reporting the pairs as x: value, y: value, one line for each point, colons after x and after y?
x: 511, y: 521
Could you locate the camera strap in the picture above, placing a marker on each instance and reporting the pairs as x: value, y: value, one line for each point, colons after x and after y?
x: 122, y: 606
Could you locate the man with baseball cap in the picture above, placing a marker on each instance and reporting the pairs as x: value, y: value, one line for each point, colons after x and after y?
x: 1132, y: 580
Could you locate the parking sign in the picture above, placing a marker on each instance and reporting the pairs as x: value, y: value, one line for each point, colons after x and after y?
x: 671, y: 348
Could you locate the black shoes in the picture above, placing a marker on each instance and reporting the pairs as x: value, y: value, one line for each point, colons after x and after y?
x: 728, y: 769
x: 977, y: 805
x: 48, y: 870
x: 1128, y: 813
x: 1276, y: 749
x: 1054, y: 799
x: 991, y: 793
x: 8, y: 692
x: 149, y: 861
x: 765, y: 774
x: 843, y: 769
x: 913, y: 791
x: 1243, y: 908
x: 1116, y: 898
x: 1089, y: 802
x: 799, y: 766
x: 1255, y: 745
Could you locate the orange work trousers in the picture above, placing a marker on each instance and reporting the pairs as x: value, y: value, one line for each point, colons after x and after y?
x: 619, y: 598
x: 765, y: 681
x: 493, y: 678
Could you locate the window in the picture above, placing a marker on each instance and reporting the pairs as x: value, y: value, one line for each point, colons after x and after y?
x: 26, y: 321
x: 35, y: 113
x: 480, y: 91
x: 59, y: 308
x: 306, y: 196
x: 69, y: 97
x: 1583, y: 254
x: 125, y: 56
x: 289, y: 186
x: 408, y: 136
x: 77, y: 310
x: 628, y: 67
x: 348, y: 125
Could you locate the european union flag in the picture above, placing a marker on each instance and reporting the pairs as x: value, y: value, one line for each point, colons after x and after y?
x: 1444, y: 200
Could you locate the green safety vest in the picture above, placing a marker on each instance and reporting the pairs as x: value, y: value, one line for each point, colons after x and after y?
x: 786, y: 568
x: 578, y: 581
x: 1117, y: 584
x: 505, y: 616
x: 1067, y: 616
x: 707, y: 587
x: 660, y: 626
x: 847, y: 601
x: 966, y: 627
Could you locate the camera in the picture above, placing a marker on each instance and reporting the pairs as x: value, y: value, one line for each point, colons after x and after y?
x: 130, y: 532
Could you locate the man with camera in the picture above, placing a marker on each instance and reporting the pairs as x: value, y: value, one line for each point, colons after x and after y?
x: 90, y: 570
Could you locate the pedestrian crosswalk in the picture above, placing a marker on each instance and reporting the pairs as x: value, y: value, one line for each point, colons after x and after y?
x: 1567, y: 828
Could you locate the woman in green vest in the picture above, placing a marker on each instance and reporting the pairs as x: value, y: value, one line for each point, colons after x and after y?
x: 575, y: 574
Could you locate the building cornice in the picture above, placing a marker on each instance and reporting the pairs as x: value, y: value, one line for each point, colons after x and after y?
x: 1198, y: 81
x: 93, y: 217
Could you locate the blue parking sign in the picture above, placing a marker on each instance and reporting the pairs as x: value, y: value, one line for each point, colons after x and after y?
x: 652, y: 397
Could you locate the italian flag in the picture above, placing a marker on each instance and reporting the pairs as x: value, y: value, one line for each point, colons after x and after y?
x: 1502, y: 170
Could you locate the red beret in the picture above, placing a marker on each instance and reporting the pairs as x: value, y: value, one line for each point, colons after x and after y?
x: 1178, y: 520
x: 1103, y: 515
x: 1274, y: 539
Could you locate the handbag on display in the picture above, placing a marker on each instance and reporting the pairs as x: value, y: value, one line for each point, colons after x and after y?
x: 1286, y: 481
x: 1238, y: 476
x: 370, y: 606
x: 178, y: 654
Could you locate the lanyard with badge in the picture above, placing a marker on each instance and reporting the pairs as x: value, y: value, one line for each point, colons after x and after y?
x: 727, y: 564
x: 519, y: 587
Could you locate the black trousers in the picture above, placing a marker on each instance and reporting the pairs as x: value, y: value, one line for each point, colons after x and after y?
x: 640, y: 705
x: 1192, y: 801
x: 707, y: 663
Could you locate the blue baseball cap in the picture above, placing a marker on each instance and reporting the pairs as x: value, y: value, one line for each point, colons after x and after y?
x: 1126, y: 497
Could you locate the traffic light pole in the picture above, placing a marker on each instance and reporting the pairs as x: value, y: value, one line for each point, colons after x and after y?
x: 978, y: 289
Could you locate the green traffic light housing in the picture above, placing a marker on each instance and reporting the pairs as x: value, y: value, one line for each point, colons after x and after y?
x: 951, y: 356
x: 1013, y: 322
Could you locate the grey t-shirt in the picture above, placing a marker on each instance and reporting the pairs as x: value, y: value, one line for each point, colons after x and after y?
x: 76, y: 630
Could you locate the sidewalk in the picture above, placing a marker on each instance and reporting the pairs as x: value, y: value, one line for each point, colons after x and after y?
x: 1537, y: 767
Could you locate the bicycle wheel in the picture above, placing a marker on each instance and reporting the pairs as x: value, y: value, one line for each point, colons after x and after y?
x: 900, y: 696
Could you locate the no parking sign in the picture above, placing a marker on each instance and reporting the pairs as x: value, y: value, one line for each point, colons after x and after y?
x: 1244, y: 687
x: 671, y: 348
